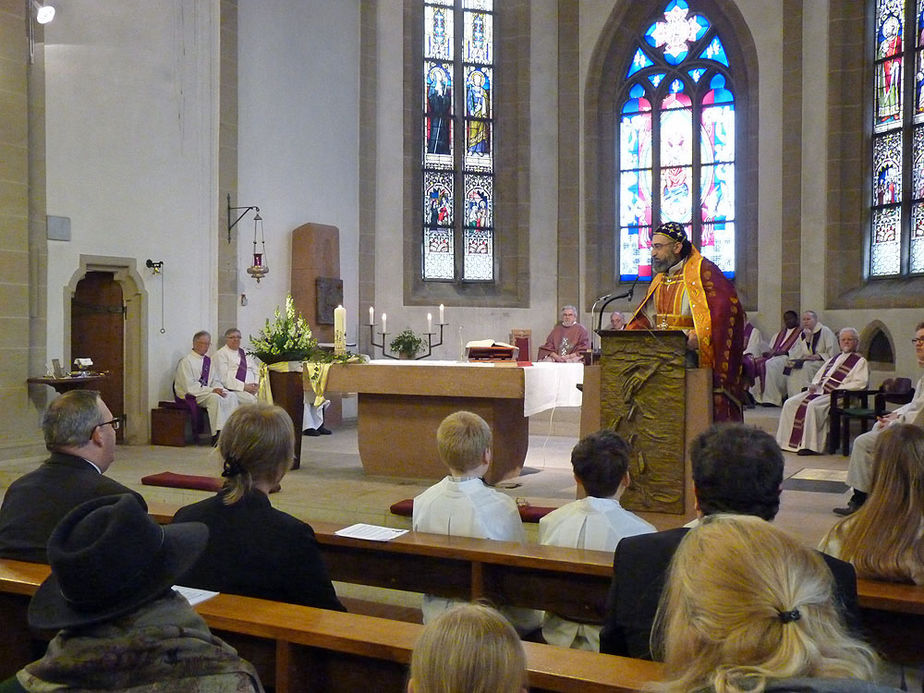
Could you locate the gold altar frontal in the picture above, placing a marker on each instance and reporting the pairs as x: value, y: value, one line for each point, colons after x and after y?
x: 401, y: 406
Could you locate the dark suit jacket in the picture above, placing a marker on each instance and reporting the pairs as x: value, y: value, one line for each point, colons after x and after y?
x: 640, y: 566
x: 36, y: 502
x: 257, y: 551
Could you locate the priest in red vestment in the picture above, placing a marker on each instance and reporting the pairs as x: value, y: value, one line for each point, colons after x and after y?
x: 690, y: 293
x: 567, y: 341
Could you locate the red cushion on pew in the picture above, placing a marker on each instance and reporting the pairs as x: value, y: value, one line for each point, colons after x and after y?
x: 172, y: 480
x: 528, y: 513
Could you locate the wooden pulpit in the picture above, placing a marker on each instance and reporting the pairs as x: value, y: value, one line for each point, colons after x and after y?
x: 642, y: 390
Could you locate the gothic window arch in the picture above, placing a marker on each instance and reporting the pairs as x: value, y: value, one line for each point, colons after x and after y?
x: 608, y: 221
x: 897, y: 158
x: 488, y: 124
x: 676, y: 128
x: 458, y: 140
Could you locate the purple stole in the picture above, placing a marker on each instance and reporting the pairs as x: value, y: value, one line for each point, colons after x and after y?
x: 748, y: 329
x: 829, y: 383
x: 779, y: 344
x: 241, y: 367
x: 189, y: 401
x: 798, y: 364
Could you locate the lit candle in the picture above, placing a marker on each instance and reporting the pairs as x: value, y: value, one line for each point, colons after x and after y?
x: 371, y: 315
x: 339, y: 330
x: 442, y: 317
x: 429, y: 323
x: 384, y: 328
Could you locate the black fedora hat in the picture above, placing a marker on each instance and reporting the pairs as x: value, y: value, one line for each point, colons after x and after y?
x: 108, y: 558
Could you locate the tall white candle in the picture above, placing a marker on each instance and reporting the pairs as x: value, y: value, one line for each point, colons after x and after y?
x: 371, y: 315
x: 442, y: 316
x: 384, y: 328
x: 429, y: 323
x: 339, y: 330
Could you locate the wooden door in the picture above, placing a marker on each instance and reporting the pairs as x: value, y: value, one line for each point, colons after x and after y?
x: 98, y: 332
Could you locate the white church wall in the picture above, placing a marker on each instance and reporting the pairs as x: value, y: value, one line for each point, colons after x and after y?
x: 131, y: 159
x: 298, y: 140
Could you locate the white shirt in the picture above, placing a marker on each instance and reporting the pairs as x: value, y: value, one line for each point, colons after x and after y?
x: 589, y: 523
x: 468, y: 509
x: 471, y: 509
x: 907, y: 413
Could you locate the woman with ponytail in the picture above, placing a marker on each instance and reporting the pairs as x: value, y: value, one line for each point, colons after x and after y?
x: 748, y: 608
x: 255, y: 550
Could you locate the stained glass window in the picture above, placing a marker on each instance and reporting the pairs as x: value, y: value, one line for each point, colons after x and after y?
x: 458, y: 140
x: 897, y: 185
x: 676, y: 140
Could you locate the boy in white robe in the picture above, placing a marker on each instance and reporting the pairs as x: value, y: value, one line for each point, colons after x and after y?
x: 462, y: 505
x: 598, y: 522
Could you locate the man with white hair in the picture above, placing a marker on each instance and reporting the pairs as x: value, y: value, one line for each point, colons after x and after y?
x: 803, y: 425
x: 567, y: 341
x: 815, y: 345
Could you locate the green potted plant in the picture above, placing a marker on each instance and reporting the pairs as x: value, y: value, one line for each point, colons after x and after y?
x: 406, y: 344
x: 287, y: 338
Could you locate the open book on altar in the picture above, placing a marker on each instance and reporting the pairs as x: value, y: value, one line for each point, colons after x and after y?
x: 489, y: 350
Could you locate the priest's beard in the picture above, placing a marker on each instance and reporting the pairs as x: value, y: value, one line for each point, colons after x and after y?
x: 660, y: 266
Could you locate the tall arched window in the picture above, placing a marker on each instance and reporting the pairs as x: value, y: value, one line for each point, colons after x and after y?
x: 458, y: 153
x: 897, y: 186
x: 676, y: 136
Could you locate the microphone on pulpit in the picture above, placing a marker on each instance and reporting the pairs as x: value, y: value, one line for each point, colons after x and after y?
x: 609, y: 298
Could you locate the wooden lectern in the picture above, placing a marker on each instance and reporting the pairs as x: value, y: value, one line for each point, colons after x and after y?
x: 643, y: 391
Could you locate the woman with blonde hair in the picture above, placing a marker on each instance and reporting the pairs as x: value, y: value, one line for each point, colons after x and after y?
x: 253, y: 549
x: 884, y: 539
x: 470, y: 648
x: 758, y: 614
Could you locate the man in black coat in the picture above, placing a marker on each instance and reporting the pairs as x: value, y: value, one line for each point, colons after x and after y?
x: 736, y: 469
x: 80, y: 433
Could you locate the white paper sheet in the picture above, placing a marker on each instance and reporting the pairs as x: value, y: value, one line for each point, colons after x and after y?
x: 370, y: 532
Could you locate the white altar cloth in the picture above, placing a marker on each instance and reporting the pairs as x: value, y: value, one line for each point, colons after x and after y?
x: 546, y: 385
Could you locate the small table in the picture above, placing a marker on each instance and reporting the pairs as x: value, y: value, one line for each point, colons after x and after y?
x: 62, y: 385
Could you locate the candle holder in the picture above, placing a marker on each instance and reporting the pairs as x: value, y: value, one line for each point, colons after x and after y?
x: 430, y: 343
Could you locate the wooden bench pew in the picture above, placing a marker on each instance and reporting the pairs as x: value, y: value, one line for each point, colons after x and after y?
x: 299, y: 648
x: 568, y: 581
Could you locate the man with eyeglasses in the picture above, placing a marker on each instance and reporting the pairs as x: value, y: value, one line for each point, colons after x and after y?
x: 688, y: 292
x: 860, y: 469
x: 80, y: 433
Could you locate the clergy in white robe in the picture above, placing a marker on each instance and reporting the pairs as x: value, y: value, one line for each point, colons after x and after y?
x: 815, y: 345
x: 597, y: 522
x: 804, y: 420
x: 197, y: 377
x: 753, y: 340
x: 461, y: 505
x: 769, y: 386
x: 238, y: 372
x: 860, y: 468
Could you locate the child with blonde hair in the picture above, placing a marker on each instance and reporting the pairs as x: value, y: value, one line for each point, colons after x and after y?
x: 469, y: 649
x: 462, y: 505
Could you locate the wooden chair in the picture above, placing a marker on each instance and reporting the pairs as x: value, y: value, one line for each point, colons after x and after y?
x: 522, y: 340
x: 892, y: 390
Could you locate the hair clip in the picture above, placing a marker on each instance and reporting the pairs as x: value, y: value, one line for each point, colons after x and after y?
x: 789, y: 616
x: 231, y: 468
